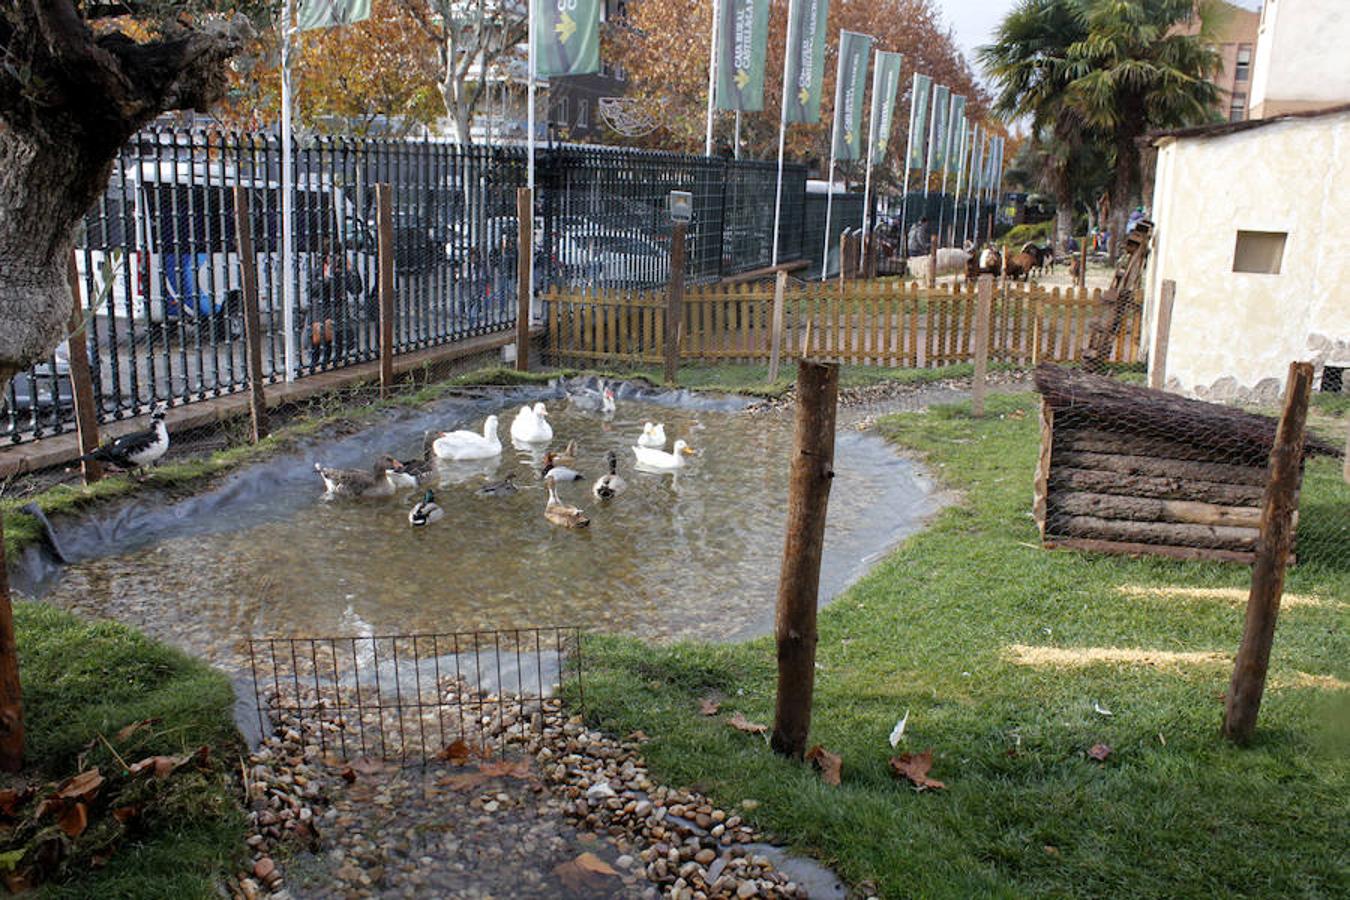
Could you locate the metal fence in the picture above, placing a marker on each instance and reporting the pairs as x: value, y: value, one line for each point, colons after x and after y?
x: 409, y: 697
x: 159, y: 276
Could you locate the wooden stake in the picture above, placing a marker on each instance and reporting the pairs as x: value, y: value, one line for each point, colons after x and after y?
x: 776, y: 341
x: 812, y: 471
x: 1157, y: 361
x: 11, y: 690
x: 524, y: 290
x: 82, y: 382
x: 932, y: 265
x: 384, y: 197
x: 1082, y: 262
x: 675, y: 301
x: 984, y: 308
x: 1243, y: 700
x: 248, y: 267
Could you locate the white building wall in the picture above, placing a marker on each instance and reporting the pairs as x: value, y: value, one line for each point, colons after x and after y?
x: 1302, y: 56
x: 1234, y: 334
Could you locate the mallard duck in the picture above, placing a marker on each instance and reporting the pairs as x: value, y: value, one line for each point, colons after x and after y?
x: 467, y: 445
x: 499, y: 488
x: 531, y: 425
x: 379, y: 481
x: 568, y: 454
x: 607, y: 487
x: 139, y: 448
x: 426, y: 511
x: 653, y: 436
x: 660, y: 459
x: 558, y: 473
x: 559, y: 513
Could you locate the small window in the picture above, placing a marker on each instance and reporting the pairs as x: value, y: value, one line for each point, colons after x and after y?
x: 1237, y: 108
x: 560, y: 117
x: 1244, y: 62
x: 583, y: 113
x: 1259, y: 251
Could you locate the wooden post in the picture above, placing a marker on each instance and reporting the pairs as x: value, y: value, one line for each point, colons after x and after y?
x: 384, y: 197
x: 776, y: 340
x: 812, y: 471
x: 82, y: 382
x: 1082, y: 262
x: 1243, y: 700
x: 248, y: 268
x: 932, y: 265
x: 524, y: 289
x: 984, y: 308
x: 675, y: 301
x: 1157, y: 361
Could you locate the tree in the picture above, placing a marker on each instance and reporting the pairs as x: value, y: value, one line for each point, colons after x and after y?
x: 74, y: 87
x: 472, y: 36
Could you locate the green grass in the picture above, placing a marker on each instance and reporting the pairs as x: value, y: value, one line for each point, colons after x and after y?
x: 84, y: 679
x: 1174, y: 810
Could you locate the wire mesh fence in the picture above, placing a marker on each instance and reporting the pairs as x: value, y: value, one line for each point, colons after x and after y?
x: 410, y: 697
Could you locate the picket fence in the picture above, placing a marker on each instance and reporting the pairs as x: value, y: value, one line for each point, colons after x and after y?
x: 870, y: 323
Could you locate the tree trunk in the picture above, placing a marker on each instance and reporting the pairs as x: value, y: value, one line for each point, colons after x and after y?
x: 1063, y: 224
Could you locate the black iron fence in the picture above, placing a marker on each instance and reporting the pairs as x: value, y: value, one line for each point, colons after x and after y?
x: 159, y: 276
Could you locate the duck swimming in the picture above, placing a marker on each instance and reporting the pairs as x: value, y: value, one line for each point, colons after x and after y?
x: 531, y: 425
x: 556, y: 472
x: 559, y: 513
x: 382, y: 480
x: 426, y: 511
x: 457, y: 445
x: 660, y: 459
x: 653, y: 436
x: 499, y: 488
x: 607, y: 487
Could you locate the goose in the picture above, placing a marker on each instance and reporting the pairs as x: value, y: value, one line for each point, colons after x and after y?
x: 660, y: 459
x: 499, y: 488
x: 531, y: 425
x: 653, y: 435
x: 467, y: 445
x: 426, y: 511
x: 556, y: 472
x: 558, y: 513
x: 137, y: 449
x: 362, y: 483
x: 607, y: 487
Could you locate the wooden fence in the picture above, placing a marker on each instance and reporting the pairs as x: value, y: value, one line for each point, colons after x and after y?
x: 878, y: 323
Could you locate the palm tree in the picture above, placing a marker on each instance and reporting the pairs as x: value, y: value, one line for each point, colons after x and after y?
x: 1029, y: 62
x: 1131, y: 73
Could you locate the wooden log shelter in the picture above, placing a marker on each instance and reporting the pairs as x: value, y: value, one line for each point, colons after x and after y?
x: 1128, y: 469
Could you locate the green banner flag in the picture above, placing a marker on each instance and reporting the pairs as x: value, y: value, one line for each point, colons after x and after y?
x: 956, y: 126
x: 327, y: 13
x: 566, y: 37
x: 918, y: 119
x: 742, y: 33
x: 849, y: 88
x: 937, y: 131
x: 805, y: 64
x: 885, y: 85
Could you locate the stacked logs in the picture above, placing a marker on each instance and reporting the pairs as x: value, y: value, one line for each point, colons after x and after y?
x: 1126, y: 469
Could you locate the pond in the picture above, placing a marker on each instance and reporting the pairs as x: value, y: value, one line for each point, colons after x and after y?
x: 695, y: 554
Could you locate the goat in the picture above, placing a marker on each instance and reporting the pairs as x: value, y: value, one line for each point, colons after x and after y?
x: 1045, y: 258
x: 1020, y: 266
x: 986, y: 262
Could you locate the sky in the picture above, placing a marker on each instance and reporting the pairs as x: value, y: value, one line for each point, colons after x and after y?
x: 974, y: 21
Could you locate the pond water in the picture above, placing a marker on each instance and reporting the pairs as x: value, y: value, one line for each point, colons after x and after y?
x: 695, y: 554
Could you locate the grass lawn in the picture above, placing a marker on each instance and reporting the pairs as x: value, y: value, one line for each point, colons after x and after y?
x: 83, y: 679
x: 1173, y: 811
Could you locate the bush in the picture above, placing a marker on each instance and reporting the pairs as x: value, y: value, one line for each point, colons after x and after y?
x: 1020, y: 234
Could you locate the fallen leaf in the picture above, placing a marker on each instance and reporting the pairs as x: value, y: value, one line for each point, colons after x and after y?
x: 83, y: 786
x: 1099, y: 752
x: 125, y: 814
x: 127, y: 731
x: 74, y: 820
x: 159, y: 766
x: 11, y: 800
x: 1101, y: 710
x: 456, y: 752
x: 639, y: 736
x: 709, y: 707
x: 899, y: 730
x: 740, y: 723
x: 1051, y: 850
x: 829, y: 764
x: 586, y: 873
x: 915, y: 766
x: 347, y: 774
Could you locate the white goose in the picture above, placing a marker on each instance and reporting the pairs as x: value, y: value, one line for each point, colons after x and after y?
x: 653, y: 435
x: 468, y: 445
x: 651, y: 458
x: 531, y: 425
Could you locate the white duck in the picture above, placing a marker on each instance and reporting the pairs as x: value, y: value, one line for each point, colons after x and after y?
x: 468, y: 445
x: 651, y: 458
x: 531, y: 425
x: 653, y: 435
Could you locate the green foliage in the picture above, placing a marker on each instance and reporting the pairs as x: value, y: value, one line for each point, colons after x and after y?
x: 1039, y: 233
x: 1173, y: 811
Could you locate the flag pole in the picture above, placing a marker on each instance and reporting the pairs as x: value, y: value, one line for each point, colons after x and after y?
x: 829, y: 174
x: 531, y: 71
x: 288, y: 287
x: 712, y: 80
x: 782, y: 134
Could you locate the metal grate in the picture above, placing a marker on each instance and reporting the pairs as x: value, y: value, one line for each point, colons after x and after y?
x: 407, y: 697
